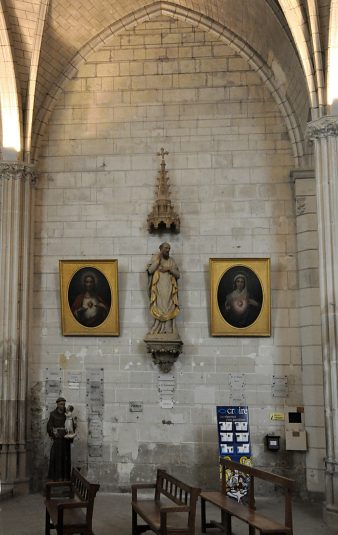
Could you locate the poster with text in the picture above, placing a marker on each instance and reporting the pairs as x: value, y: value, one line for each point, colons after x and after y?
x: 234, y: 443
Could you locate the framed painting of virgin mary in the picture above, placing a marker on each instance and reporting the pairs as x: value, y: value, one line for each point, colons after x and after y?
x: 240, y: 296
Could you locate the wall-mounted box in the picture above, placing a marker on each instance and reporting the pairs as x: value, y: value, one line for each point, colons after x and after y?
x: 295, y: 434
x: 295, y: 440
x: 272, y: 442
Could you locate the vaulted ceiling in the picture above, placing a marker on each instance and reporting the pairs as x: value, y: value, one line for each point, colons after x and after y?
x: 43, y: 42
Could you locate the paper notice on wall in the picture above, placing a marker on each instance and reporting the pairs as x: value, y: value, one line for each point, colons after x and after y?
x: 280, y: 386
x: 279, y: 416
x: 74, y: 377
x: 237, y: 389
x: 95, y: 393
x: 237, y: 397
x: 52, y: 379
x: 53, y: 388
x: 95, y: 451
x: 236, y: 380
x: 95, y: 429
x: 74, y: 386
x: 94, y: 374
x: 52, y: 374
x: 95, y: 409
x: 166, y: 383
x: 166, y: 403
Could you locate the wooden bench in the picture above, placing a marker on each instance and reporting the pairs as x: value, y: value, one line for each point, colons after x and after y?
x: 247, y: 512
x: 160, y: 515
x: 72, y: 513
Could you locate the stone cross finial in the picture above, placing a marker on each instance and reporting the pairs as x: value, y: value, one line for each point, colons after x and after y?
x: 162, y: 153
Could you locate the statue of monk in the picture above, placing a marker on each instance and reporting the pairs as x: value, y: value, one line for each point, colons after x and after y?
x: 60, y: 454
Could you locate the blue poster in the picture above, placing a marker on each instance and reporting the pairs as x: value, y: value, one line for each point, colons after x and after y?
x: 234, y: 443
x: 233, y: 432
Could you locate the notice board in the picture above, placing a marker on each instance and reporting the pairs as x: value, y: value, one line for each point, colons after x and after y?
x: 235, y: 444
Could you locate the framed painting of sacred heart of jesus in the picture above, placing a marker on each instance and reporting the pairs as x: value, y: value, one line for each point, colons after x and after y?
x: 89, y: 297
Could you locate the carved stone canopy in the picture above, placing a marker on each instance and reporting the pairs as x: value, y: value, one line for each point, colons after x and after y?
x: 163, y: 215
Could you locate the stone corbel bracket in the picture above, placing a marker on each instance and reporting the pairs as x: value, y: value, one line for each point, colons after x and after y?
x: 164, y: 352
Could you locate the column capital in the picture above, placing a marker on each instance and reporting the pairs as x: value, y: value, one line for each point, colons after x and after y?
x: 323, y: 127
x: 17, y: 171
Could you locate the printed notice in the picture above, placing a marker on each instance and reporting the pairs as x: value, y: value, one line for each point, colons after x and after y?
x: 166, y: 387
x: 234, y: 443
x: 95, y: 407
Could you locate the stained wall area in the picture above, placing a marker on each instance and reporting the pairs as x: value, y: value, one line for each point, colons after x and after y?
x: 165, y: 83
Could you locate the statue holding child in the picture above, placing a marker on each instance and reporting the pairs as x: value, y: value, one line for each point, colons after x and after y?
x: 61, y: 429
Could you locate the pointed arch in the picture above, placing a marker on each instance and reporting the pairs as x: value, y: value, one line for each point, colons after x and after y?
x: 9, y: 96
x: 299, y: 29
x: 317, y: 54
x: 33, y: 73
x: 332, y: 71
x: 272, y: 78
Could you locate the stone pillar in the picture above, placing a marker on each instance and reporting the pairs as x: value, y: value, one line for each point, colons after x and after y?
x: 324, y: 133
x: 15, y: 238
x: 309, y: 321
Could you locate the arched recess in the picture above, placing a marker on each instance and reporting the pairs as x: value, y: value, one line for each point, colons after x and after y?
x: 9, y: 97
x: 300, y: 32
x: 273, y: 79
x: 33, y: 76
x: 332, y: 71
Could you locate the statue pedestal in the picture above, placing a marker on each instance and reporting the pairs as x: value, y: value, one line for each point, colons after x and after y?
x: 164, y: 349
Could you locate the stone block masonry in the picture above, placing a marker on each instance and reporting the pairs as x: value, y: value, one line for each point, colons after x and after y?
x: 166, y: 84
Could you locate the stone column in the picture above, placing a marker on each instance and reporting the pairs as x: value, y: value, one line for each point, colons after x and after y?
x: 309, y: 322
x: 15, y: 238
x: 324, y: 133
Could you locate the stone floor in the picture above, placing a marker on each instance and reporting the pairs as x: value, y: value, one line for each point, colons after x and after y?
x: 24, y: 515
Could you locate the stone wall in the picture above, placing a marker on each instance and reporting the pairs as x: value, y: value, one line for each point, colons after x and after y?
x: 165, y: 84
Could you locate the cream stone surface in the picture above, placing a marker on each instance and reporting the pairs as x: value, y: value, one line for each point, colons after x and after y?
x: 243, y: 95
x: 229, y: 163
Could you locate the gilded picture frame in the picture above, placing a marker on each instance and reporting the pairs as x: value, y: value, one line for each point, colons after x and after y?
x: 240, y: 296
x: 89, y: 297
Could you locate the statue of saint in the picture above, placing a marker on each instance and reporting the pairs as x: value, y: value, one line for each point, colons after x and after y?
x: 61, y: 429
x: 163, y: 274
